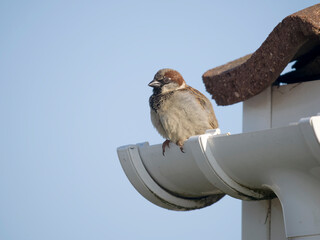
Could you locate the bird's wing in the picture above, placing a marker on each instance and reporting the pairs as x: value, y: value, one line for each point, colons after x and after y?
x: 206, y: 105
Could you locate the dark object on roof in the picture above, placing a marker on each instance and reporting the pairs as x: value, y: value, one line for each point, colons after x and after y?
x: 297, y: 37
x: 307, y: 68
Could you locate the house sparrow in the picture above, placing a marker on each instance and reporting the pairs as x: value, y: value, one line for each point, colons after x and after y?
x: 178, y: 111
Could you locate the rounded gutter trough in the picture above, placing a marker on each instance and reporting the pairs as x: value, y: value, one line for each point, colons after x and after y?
x: 280, y: 162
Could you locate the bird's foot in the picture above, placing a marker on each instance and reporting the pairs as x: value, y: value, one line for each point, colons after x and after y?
x: 181, y: 149
x: 180, y: 144
x: 164, y: 145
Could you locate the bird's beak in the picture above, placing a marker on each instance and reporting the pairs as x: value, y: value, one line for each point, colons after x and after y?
x: 154, y: 83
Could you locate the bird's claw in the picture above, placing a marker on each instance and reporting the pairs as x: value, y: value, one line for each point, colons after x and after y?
x: 181, y: 149
x: 164, y: 145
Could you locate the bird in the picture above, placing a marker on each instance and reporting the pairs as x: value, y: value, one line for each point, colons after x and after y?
x: 177, y: 110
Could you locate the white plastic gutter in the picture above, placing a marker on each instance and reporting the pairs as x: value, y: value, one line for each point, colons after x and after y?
x: 250, y: 166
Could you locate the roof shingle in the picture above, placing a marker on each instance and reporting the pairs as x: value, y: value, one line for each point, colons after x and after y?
x: 294, y: 38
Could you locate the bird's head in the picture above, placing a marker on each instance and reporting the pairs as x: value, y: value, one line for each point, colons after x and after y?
x: 167, y: 80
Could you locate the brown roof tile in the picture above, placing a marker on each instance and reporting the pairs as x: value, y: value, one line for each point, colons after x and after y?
x: 294, y: 38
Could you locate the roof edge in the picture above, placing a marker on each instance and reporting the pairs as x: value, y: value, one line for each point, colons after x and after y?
x: 248, y: 76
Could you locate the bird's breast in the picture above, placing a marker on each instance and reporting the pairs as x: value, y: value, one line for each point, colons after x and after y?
x: 157, y: 101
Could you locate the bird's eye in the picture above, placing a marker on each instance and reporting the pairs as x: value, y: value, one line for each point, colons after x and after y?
x: 166, y: 80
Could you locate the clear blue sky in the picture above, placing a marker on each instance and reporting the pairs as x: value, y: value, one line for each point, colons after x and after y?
x: 73, y: 87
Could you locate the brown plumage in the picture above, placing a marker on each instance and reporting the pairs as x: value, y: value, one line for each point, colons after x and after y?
x: 178, y: 111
